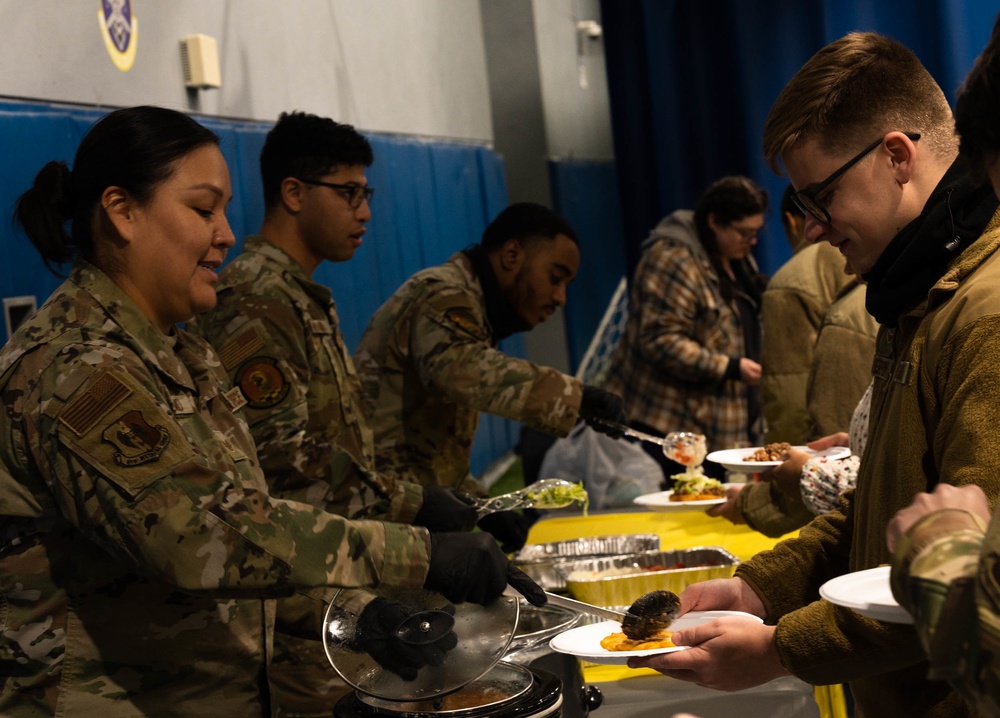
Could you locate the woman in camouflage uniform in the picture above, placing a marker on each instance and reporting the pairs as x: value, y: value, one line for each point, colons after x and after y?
x: 139, y: 543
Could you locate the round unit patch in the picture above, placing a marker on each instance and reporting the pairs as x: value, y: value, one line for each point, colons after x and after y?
x: 262, y: 382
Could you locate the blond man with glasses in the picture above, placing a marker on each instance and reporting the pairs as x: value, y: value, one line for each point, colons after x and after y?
x: 908, y: 217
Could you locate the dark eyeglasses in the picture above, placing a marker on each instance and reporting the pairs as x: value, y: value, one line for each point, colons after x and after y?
x: 807, y: 201
x: 353, y: 193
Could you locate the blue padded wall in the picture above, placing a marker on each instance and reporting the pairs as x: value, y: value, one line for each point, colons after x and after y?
x: 432, y: 199
x: 586, y: 194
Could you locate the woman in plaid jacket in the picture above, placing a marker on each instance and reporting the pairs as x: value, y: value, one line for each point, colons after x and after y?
x: 688, y: 360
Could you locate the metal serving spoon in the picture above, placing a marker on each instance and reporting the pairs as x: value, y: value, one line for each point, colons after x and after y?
x: 684, y: 447
x: 536, y: 495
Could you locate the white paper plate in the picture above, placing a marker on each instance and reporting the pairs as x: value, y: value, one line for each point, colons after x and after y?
x: 660, y: 501
x: 585, y: 641
x: 732, y: 459
x: 868, y: 593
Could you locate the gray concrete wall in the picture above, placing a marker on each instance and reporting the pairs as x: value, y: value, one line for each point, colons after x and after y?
x: 504, y: 73
x: 573, y: 80
x: 414, y: 67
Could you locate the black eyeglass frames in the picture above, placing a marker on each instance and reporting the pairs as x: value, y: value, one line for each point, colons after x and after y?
x: 806, y: 199
x: 353, y: 193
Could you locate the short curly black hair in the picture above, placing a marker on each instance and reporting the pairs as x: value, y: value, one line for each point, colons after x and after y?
x: 308, y: 146
x: 978, y: 108
x: 525, y: 221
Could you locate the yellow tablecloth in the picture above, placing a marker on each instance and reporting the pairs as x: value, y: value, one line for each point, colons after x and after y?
x: 677, y: 529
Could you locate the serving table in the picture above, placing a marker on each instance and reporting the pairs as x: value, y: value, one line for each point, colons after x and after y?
x: 637, y: 693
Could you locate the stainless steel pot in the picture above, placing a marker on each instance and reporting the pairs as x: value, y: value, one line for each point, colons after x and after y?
x: 505, y: 691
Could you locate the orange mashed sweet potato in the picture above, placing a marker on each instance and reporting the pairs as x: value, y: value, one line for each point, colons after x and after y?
x: 619, y: 642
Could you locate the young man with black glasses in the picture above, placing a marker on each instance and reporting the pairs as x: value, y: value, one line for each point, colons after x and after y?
x: 277, y: 334
x: 906, y: 214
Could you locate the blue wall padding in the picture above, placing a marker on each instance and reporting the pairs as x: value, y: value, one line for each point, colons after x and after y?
x: 432, y: 199
x: 586, y: 194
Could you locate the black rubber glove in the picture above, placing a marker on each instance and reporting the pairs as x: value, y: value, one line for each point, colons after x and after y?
x: 466, y: 567
x: 598, y: 406
x: 376, y: 636
x: 510, y: 528
x: 524, y: 585
x: 445, y: 509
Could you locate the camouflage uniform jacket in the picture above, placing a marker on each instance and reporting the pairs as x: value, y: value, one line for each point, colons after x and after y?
x: 428, y: 367
x: 670, y: 366
x: 945, y: 574
x: 278, y: 336
x: 139, y: 542
x: 933, y: 419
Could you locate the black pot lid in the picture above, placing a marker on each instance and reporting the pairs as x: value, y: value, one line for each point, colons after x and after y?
x: 483, y: 633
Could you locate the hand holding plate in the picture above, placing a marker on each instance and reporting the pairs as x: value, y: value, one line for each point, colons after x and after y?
x: 727, y: 654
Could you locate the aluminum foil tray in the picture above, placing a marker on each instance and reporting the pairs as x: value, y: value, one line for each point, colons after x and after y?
x: 618, y: 581
x: 549, y: 563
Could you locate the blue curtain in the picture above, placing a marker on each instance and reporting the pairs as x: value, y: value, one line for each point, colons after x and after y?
x: 432, y: 199
x: 691, y: 84
x: 586, y: 194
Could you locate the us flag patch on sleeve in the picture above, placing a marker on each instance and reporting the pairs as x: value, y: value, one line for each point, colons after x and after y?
x: 104, y: 394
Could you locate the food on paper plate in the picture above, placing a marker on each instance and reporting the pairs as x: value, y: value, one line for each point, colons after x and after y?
x: 770, y: 452
x: 620, y: 642
x: 695, y: 486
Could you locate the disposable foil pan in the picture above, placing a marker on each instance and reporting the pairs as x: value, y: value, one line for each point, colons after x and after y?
x: 549, y: 563
x: 618, y: 581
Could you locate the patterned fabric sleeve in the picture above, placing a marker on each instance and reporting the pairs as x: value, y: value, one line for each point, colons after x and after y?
x: 824, y: 480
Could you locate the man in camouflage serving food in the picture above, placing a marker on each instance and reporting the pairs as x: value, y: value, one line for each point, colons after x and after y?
x: 278, y: 336
x: 429, y: 363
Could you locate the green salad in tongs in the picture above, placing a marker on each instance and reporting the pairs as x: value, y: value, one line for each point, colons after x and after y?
x: 559, y: 495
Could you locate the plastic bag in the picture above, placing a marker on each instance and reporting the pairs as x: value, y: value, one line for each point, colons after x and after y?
x: 613, y: 471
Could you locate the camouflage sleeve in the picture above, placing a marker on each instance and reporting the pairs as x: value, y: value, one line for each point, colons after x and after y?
x: 943, y: 573
x: 453, y: 356
x: 667, y: 287
x: 176, y: 499
x: 267, y: 357
x: 302, y: 615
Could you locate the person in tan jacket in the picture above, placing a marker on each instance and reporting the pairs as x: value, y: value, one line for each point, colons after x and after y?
x: 791, y: 495
x: 792, y: 310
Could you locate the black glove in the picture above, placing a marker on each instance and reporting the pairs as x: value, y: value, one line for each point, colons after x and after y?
x: 598, y: 406
x: 524, y: 585
x: 510, y: 528
x: 445, y: 509
x: 375, y: 634
x: 466, y: 567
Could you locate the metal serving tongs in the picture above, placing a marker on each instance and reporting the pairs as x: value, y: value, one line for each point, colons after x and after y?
x: 649, y: 614
x: 542, y: 494
x: 684, y: 447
